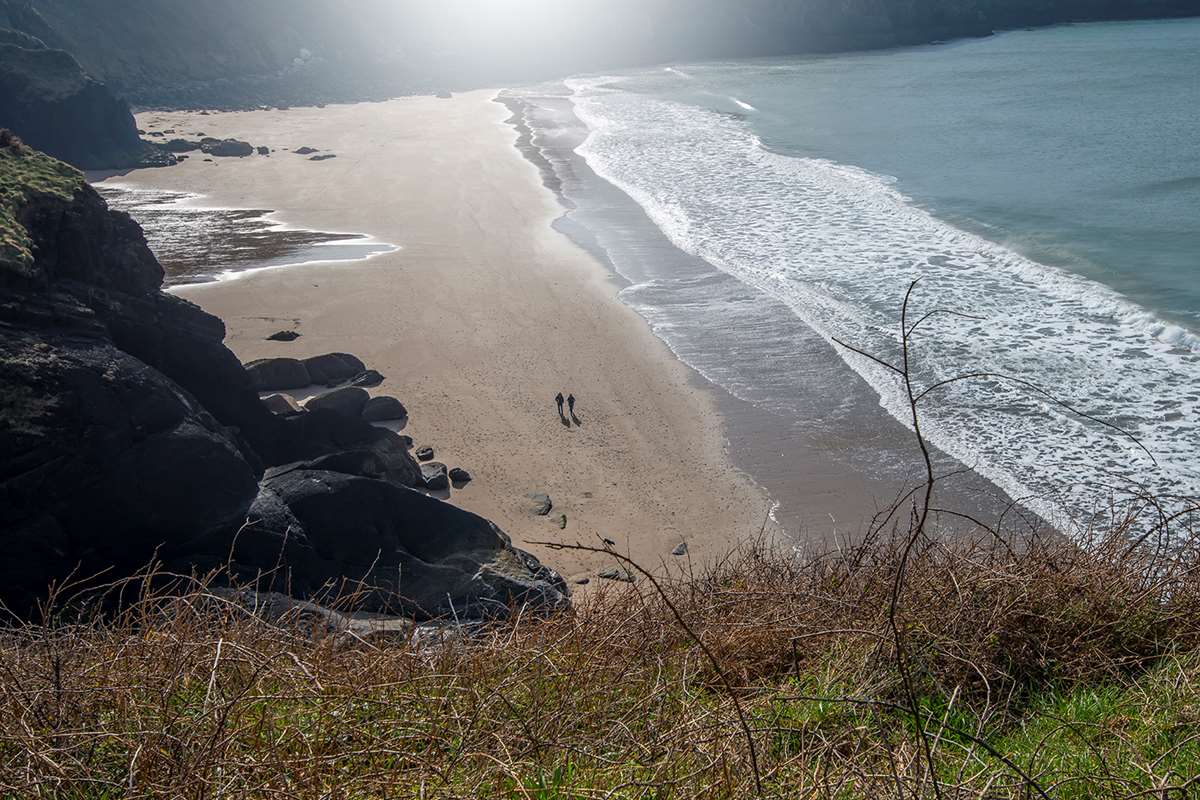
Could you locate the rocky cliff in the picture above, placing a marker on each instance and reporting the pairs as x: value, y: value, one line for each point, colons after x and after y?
x: 46, y: 98
x: 282, y: 52
x: 128, y: 432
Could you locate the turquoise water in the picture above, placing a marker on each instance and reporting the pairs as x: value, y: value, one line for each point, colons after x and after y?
x: 1047, y: 183
x: 1078, y: 146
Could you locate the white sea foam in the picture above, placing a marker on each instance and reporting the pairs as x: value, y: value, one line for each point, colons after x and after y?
x: 839, y: 246
x: 742, y: 104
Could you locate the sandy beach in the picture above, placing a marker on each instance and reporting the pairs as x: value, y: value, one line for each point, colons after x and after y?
x: 481, y: 316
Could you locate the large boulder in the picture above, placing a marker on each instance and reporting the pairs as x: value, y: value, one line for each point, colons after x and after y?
x: 226, y: 148
x: 348, y: 400
x: 411, y: 555
x: 278, y: 374
x: 333, y: 368
x: 384, y: 409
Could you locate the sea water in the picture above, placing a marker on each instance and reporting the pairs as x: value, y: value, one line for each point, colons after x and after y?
x: 1043, y: 186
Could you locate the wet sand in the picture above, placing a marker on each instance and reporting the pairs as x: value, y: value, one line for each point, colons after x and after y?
x: 477, y: 321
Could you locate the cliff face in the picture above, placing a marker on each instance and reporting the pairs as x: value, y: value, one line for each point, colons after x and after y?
x: 128, y: 432
x: 48, y: 100
x: 230, y: 53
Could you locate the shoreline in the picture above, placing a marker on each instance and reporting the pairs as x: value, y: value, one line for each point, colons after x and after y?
x: 481, y: 315
x: 828, y: 454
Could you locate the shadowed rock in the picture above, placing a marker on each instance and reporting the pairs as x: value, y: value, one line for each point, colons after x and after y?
x: 333, y: 368
x: 282, y: 405
x: 349, y: 400
x: 413, y: 554
x: 384, y: 409
x: 278, y: 374
x: 436, y: 476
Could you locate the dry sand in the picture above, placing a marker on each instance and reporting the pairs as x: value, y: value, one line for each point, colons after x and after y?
x: 477, y: 321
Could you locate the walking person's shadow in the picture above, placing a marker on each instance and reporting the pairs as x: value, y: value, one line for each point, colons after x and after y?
x: 578, y: 422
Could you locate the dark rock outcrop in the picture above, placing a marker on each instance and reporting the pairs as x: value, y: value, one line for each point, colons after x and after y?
x: 226, y: 148
x: 412, y: 554
x: 129, y: 432
x: 180, y: 146
x: 46, y: 99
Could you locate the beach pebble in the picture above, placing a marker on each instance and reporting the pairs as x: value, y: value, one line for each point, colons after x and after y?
x: 435, y: 475
x: 425, y: 454
x: 616, y: 574
x: 304, y: 151
x: 541, y: 503
x: 680, y: 549
x: 583, y: 581
x: 460, y: 475
x: 383, y: 409
x: 283, y: 336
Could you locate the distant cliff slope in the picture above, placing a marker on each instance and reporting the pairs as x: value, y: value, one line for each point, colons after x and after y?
x: 46, y: 98
x: 236, y: 53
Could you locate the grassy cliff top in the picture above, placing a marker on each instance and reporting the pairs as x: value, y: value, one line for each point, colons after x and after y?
x: 24, y: 174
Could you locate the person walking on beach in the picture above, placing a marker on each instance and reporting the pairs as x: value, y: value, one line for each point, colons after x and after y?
x: 558, y: 398
x: 571, y: 403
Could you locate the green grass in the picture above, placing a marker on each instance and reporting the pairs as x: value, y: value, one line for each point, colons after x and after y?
x: 25, y: 174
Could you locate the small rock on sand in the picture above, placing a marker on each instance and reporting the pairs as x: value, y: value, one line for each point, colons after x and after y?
x: 435, y: 476
x: 616, y: 574
x: 425, y: 454
x: 541, y: 503
x: 283, y: 336
x: 680, y: 549
x: 460, y: 475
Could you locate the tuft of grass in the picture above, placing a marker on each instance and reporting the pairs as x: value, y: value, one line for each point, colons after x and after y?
x: 25, y: 174
x: 1080, y: 666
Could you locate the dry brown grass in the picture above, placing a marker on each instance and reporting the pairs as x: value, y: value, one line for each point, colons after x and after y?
x: 183, y: 694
